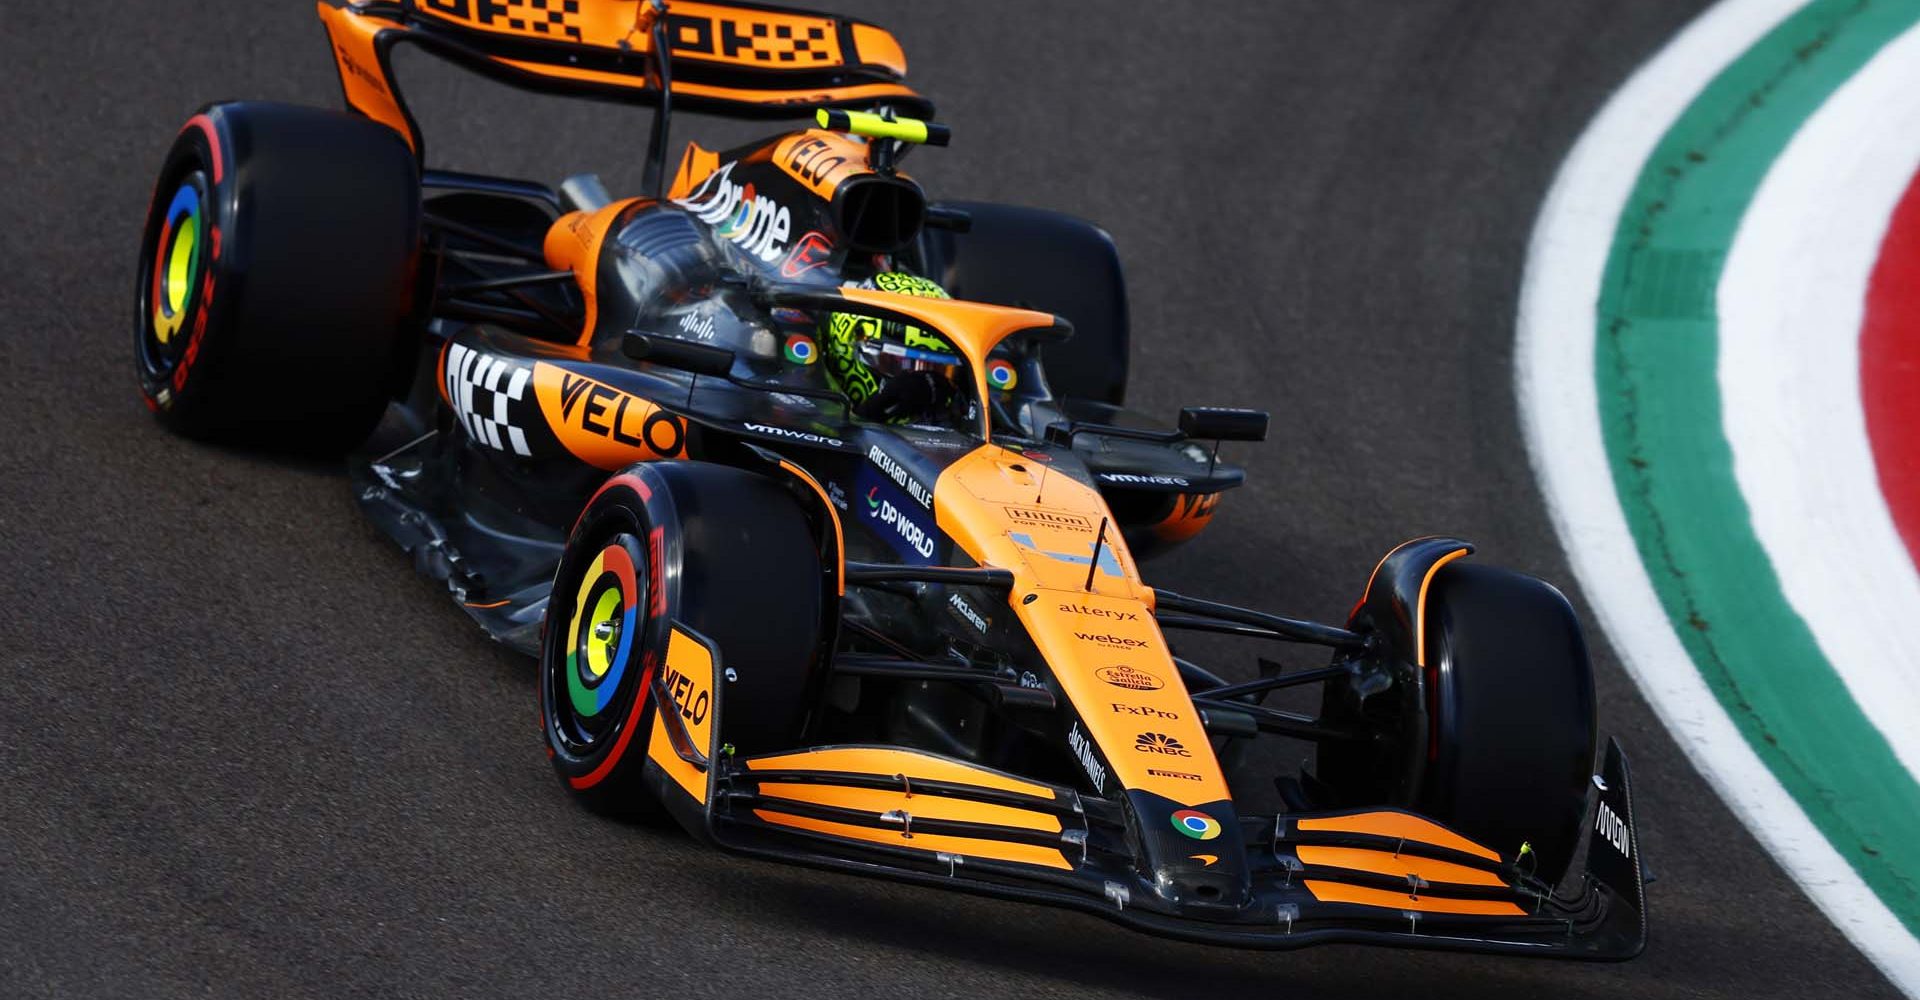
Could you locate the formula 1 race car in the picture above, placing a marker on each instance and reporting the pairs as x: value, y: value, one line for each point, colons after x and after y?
x: 818, y: 504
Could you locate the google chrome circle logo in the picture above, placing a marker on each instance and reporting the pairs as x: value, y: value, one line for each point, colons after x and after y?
x: 1196, y: 824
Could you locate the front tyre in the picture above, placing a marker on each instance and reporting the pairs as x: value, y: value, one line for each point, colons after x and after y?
x: 1487, y: 725
x: 274, y: 296
x: 1513, y: 712
x: 727, y: 553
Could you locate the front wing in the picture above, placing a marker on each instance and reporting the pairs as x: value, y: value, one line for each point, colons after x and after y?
x: 1375, y: 876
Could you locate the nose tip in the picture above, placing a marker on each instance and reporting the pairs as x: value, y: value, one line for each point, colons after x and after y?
x: 1215, y: 889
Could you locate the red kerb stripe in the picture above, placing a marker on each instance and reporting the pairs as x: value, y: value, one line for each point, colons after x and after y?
x: 1890, y: 367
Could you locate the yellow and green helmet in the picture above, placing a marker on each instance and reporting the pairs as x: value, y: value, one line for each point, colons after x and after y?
x: 863, y: 352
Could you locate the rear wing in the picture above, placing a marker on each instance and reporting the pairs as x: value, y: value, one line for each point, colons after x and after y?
x: 738, y: 59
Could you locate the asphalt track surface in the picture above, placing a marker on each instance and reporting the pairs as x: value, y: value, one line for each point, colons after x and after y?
x: 245, y: 752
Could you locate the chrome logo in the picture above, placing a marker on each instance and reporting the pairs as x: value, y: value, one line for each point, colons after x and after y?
x: 1196, y: 824
x: 1001, y: 375
x: 800, y: 349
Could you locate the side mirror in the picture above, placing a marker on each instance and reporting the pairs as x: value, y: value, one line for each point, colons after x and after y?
x: 1215, y: 423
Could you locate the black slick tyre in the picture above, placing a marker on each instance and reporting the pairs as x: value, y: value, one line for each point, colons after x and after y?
x: 1036, y: 259
x: 275, y: 291
x: 725, y: 552
x: 1514, y: 714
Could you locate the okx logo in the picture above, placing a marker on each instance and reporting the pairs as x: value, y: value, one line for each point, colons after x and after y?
x: 1160, y: 743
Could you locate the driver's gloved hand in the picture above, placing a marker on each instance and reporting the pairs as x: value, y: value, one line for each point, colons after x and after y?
x: 907, y: 395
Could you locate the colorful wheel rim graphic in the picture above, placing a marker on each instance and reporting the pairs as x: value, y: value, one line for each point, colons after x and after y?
x: 1001, y: 375
x: 606, y: 611
x: 1196, y: 824
x: 801, y: 350
x: 177, y: 257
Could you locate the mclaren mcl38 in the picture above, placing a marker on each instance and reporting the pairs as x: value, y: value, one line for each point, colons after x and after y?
x: 819, y: 507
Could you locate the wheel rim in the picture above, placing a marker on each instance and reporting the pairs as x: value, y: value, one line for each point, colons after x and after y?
x: 173, y: 275
x: 601, y: 644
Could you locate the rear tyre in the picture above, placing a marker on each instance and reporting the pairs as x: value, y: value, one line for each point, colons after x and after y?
x: 1055, y: 263
x: 275, y: 291
x: 729, y: 554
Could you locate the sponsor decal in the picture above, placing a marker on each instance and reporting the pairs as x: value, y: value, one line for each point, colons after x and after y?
x: 891, y: 516
x: 1182, y: 775
x: 1206, y: 860
x: 886, y: 513
x: 1001, y: 375
x: 604, y: 426
x: 1049, y: 518
x: 483, y: 391
x: 1196, y: 824
x: 361, y: 73
x: 800, y: 349
x: 1130, y: 479
x: 809, y: 251
x: 1029, y: 679
x: 793, y: 435
x: 766, y: 39
x: 964, y: 610
x: 1612, y: 830
x: 1121, y: 708
x: 657, y: 572
x: 900, y: 476
x: 1160, y: 743
x: 791, y: 317
x: 690, y: 696
x: 1090, y: 612
x: 697, y: 326
x: 925, y: 438
x: 754, y: 222
x: 837, y: 495
x: 1108, y: 639
x: 1131, y: 678
x: 1039, y: 456
x: 1109, y: 563
x: 821, y: 161
x: 518, y: 17
x: 1083, y: 749
x: 1196, y: 505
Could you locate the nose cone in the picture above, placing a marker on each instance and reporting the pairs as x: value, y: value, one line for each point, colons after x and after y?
x: 1196, y: 853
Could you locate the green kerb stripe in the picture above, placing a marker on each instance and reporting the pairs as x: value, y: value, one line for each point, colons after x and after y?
x: 1656, y: 350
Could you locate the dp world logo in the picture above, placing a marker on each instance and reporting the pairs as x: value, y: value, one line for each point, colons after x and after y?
x: 1159, y: 743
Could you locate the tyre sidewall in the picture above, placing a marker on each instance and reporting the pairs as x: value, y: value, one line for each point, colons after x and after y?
x: 305, y: 302
x: 630, y: 503
x: 174, y: 391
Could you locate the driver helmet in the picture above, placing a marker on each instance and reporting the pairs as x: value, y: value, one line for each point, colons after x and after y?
x: 864, y: 353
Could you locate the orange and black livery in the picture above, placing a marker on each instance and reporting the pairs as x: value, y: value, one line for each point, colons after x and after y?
x: 820, y: 507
